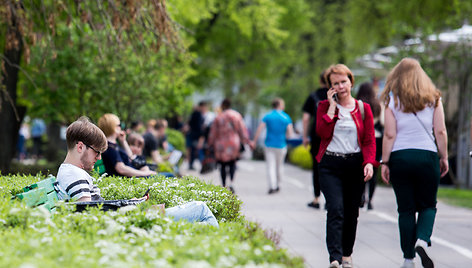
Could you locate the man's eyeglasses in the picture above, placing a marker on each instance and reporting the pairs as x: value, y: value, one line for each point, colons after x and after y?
x: 96, y: 151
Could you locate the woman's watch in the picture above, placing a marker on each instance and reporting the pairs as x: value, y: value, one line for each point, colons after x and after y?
x: 384, y: 162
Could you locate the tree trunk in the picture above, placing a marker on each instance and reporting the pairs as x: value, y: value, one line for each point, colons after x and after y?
x: 463, y: 127
x: 56, y: 147
x: 11, y: 115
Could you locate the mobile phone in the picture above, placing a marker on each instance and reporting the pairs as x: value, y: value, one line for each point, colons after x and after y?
x: 149, y: 189
x: 335, y: 97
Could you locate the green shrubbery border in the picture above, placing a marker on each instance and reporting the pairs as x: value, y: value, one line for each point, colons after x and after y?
x: 134, y: 237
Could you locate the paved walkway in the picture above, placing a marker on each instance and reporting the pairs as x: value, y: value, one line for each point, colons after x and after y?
x: 302, y: 229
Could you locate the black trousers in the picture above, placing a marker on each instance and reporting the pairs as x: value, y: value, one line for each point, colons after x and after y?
x: 415, y: 176
x: 316, y: 178
x: 342, y: 184
x: 231, y: 165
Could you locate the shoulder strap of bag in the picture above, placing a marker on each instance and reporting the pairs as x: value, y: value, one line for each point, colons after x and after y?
x: 425, y: 129
x: 361, y: 107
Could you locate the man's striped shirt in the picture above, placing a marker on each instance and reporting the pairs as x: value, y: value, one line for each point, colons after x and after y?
x: 75, y: 183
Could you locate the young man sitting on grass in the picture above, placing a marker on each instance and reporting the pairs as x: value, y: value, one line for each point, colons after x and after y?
x: 85, y: 144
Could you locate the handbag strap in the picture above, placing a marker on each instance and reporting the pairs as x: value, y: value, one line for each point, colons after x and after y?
x: 425, y: 129
x: 361, y: 107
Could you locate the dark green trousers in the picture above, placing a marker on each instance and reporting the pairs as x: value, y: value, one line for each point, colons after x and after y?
x: 414, y: 175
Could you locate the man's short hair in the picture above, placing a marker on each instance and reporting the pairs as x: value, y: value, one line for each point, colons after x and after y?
x: 85, y: 131
x: 276, y: 103
x: 108, y: 123
x: 226, y: 104
x: 323, y: 77
x: 159, y: 125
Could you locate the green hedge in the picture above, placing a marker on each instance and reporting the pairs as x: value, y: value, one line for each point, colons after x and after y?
x: 176, y: 138
x: 138, y: 237
x: 301, y: 157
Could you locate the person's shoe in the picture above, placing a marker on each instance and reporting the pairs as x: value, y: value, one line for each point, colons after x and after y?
x: 334, y: 264
x: 231, y: 189
x: 272, y: 191
x: 314, y: 205
x: 408, y: 264
x: 420, y: 248
x: 369, y: 206
x: 347, y: 264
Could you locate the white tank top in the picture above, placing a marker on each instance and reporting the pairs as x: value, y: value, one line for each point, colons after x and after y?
x: 410, y: 133
x: 345, y: 133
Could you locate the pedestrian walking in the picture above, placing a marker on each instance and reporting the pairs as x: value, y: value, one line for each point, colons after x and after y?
x: 346, y: 159
x: 195, y: 131
x: 412, y: 160
x: 309, y: 114
x: 227, y: 135
x: 367, y: 94
x: 38, y: 129
x: 279, y: 126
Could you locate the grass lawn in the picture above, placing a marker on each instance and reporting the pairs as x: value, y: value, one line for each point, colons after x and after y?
x: 456, y: 197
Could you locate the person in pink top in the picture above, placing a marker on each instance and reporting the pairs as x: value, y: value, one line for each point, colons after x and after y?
x: 227, y: 133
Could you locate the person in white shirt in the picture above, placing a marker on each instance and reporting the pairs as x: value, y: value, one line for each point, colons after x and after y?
x: 412, y: 159
x: 85, y: 144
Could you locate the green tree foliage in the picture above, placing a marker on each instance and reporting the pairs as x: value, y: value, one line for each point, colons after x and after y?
x: 83, y: 79
x: 141, y: 59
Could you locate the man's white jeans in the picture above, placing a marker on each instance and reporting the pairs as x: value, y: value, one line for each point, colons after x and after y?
x: 275, y: 158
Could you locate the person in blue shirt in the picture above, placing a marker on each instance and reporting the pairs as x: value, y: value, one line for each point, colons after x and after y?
x: 38, y: 128
x: 279, y: 126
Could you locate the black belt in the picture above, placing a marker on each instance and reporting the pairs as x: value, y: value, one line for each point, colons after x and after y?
x: 341, y: 154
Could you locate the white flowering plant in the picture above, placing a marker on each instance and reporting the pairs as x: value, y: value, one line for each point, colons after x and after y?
x: 133, y: 236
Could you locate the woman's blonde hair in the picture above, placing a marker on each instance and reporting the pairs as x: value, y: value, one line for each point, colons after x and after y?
x: 409, y: 84
x: 108, y: 123
x: 338, y: 69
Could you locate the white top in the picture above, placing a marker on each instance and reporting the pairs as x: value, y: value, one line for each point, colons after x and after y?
x: 345, y: 133
x: 410, y: 133
x: 75, y: 183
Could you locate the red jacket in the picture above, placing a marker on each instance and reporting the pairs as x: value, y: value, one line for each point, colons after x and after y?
x: 365, y: 131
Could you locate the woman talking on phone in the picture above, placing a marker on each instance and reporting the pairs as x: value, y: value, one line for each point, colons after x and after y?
x: 346, y: 158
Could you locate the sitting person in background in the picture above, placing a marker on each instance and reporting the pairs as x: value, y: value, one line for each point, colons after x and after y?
x: 136, y: 144
x: 162, y: 142
x: 137, y: 159
x: 116, y: 158
x: 151, y: 142
x: 135, y: 127
x: 85, y: 144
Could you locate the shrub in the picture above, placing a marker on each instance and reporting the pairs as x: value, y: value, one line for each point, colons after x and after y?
x: 176, y: 138
x: 135, y: 236
x: 31, y: 169
x: 301, y: 156
x: 174, y: 191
